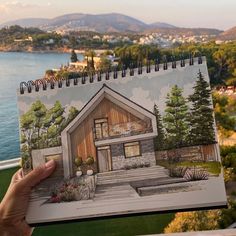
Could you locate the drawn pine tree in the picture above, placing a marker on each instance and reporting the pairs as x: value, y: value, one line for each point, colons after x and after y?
x: 175, y: 119
x: 159, y: 141
x: 201, y: 115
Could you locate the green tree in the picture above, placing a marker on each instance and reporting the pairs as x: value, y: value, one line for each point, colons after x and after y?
x: 194, y: 221
x: 159, y: 141
x: 104, y: 64
x: 175, y: 118
x: 58, y: 121
x: 201, y: 115
x: 73, y: 112
x: 73, y: 56
x: 39, y: 112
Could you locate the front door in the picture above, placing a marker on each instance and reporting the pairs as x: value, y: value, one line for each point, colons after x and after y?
x: 104, y: 158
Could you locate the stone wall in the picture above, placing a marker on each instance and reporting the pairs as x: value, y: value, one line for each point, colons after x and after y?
x: 147, y: 155
x: 40, y: 156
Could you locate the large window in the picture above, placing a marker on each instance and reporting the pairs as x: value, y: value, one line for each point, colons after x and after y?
x: 101, y: 128
x: 132, y: 149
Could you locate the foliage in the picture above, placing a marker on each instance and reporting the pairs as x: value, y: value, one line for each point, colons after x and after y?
x: 89, y: 161
x: 201, y: 120
x: 224, y: 108
x: 135, y: 166
x: 228, y: 216
x: 221, y: 59
x: 78, y: 161
x: 73, y: 56
x: 212, y: 167
x: 175, y: 118
x: 230, y: 161
x: 195, y: 174
x: 41, y: 127
x: 159, y: 141
x: 178, y: 172
x: 71, y: 190
x: 228, y: 174
x: 194, y: 221
x: 104, y: 64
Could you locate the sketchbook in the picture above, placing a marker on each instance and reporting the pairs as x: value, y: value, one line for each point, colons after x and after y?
x: 139, y: 140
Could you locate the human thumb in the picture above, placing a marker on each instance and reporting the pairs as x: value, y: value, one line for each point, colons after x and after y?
x: 38, y: 174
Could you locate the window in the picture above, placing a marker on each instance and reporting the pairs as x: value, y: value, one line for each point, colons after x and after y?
x: 132, y: 149
x: 101, y: 128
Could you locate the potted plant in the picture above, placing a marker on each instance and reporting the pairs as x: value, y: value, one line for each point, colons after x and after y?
x: 78, y: 163
x: 89, y: 162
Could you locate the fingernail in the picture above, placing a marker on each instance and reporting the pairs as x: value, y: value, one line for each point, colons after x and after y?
x: 50, y: 164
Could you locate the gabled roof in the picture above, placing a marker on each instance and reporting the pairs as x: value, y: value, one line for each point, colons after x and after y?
x: 115, y: 97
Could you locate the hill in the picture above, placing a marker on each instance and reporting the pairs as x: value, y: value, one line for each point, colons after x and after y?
x: 184, y: 31
x: 105, y: 23
x: 161, y: 25
x: 228, y: 34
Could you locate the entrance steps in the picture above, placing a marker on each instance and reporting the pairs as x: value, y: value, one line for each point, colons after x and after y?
x: 127, y: 176
x: 111, y: 192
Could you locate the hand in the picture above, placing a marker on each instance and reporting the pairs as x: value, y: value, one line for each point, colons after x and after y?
x: 14, y: 205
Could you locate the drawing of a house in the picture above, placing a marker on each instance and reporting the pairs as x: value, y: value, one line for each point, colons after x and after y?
x: 112, y: 129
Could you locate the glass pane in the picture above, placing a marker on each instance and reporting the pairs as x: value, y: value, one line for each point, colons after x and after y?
x: 132, y: 150
x: 98, y: 131
x: 105, y: 130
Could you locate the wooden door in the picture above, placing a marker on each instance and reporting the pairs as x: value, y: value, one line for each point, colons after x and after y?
x: 104, y: 159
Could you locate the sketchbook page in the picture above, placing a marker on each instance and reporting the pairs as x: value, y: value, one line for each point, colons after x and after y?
x: 145, y: 141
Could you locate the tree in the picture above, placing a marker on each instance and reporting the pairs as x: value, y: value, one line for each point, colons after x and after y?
x: 201, y: 115
x: 39, y: 112
x: 104, y: 64
x: 73, y: 56
x: 194, y: 221
x: 73, y: 112
x: 159, y: 141
x: 175, y: 118
x: 58, y: 121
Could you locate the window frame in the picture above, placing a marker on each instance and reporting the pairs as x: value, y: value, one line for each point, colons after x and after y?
x: 100, y: 124
x: 127, y: 144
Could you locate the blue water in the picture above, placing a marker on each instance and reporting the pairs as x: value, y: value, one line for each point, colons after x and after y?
x: 14, y: 68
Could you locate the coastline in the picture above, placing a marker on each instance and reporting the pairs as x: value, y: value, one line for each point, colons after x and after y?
x: 47, y: 50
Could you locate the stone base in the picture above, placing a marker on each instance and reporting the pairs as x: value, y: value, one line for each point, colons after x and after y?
x: 147, y: 157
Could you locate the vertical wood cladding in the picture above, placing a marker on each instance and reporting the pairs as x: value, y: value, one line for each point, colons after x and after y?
x: 82, y: 137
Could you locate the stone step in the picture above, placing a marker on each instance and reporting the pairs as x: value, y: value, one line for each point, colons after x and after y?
x: 138, y: 170
x: 146, y: 175
x: 129, y: 179
x: 131, y: 174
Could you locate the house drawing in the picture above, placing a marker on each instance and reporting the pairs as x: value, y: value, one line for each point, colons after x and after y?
x: 112, y: 129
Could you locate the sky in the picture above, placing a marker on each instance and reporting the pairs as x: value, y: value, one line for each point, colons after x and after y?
x: 218, y: 14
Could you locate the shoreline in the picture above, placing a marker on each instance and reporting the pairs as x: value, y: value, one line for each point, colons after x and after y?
x: 59, y: 50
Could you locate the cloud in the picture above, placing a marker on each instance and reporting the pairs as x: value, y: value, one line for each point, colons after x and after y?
x: 142, y: 97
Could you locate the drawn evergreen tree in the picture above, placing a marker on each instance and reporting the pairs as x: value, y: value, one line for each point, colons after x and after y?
x: 201, y: 115
x: 159, y: 141
x: 175, y: 118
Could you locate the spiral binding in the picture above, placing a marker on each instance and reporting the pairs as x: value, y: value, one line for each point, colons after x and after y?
x: 109, y: 74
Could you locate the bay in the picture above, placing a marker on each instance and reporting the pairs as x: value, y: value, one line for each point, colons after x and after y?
x: 14, y: 68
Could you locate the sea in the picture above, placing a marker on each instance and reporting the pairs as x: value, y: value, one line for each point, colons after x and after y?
x: 14, y: 68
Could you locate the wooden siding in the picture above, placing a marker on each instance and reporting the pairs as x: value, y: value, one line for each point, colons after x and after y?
x: 82, y: 139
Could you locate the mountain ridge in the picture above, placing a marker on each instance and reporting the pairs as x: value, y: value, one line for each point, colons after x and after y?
x: 106, y: 23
